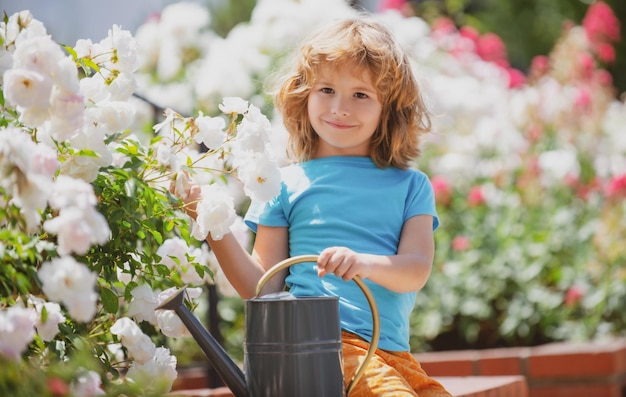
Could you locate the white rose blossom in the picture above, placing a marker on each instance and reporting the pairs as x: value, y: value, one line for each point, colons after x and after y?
x: 215, y: 213
x: 71, y: 283
x: 157, y: 374
x: 139, y: 345
x: 78, y: 224
x: 210, y: 131
x: 556, y: 165
x: 27, y: 88
x: 49, y: 328
x: 260, y: 176
x: 253, y: 133
x: 87, y: 384
x: 17, y: 330
x: 173, y: 253
x: 232, y: 105
x: 167, y: 320
x: 43, y: 84
x: 143, y: 304
x: 26, y: 171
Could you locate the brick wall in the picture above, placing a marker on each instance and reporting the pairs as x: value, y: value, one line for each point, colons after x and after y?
x: 596, y: 369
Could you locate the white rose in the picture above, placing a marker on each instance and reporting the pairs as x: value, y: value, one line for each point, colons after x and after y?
x: 69, y: 282
x: 233, y: 105
x: 17, y: 330
x: 27, y: 88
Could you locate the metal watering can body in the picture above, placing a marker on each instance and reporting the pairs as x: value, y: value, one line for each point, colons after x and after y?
x: 292, y: 346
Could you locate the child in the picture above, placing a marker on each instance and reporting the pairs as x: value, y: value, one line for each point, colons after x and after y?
x: 355, y: 115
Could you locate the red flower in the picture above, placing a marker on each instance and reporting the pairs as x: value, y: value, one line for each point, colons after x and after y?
x: 603, y: 78
x: 573, y: 295
x: 470, y: 33
x: 600, y: 23
x: 443, y: 26
x: 539, y: 66
x: 605, y: 52
x: 516, y: 78
x: 475, y: 197
x: 583, y: 99
x: 616, y: 189
x: 491, y: 48
x: 58, y: 387
x: 460, y: 243
x: 586, y: 65
x: 442, y: 189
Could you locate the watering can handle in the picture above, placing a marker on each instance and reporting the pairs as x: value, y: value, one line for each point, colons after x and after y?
x: 366, y: 291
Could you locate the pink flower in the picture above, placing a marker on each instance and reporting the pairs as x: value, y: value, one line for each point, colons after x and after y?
x: 616, y: 187
x: 600, y: 23
x: 442, y: 27
x: 586, y: 65
x: 442, y: 189
x: 603, y: 77
x: 57, y: 386
x: 475, y: 197
x: 491, y: 48
x: 605, y: 52
x: 583, y: 99
x: 460, y: 243
x: 539, y: 66
x: 401, y: 5
x: 516, y: 78
x: 584, y: 190
x: 573, y: 295
x: 470, y: 33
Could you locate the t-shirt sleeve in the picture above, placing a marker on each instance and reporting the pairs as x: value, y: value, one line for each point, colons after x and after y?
x: 421, y: 199
x: 268, y: 213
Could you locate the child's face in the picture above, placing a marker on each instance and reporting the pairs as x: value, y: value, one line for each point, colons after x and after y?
x: 344, y: 111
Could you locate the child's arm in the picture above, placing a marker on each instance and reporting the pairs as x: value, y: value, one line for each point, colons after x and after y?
x: 242, y: 269
x: 406, y: 271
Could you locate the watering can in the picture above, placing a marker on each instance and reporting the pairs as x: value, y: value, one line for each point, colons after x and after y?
x: 292, y: 346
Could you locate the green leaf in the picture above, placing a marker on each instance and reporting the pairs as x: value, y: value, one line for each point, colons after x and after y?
x: 157, y: 236
x: 110, y: 300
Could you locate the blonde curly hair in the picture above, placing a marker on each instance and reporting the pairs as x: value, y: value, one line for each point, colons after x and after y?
x: 370, y: 47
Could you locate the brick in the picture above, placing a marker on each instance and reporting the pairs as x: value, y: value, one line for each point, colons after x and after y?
x: 485, y: 386
x: 449, y: 363
x: 576, y: 390
x: 218, y: 392
x: 191, y: 378
x: 503, y: 361
x: 470, y: 386
x: 575, y: 360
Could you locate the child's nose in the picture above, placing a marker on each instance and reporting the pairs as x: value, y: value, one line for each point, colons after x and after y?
x: 341, y: 106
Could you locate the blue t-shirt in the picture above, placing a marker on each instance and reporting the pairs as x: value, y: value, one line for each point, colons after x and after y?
x: 350, y: 202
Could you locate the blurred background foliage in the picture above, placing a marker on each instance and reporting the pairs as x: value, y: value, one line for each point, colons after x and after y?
x: 527, y: 27
x: 227, y: 14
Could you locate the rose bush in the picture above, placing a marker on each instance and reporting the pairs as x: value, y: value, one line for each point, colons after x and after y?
x: 530, y: 188
x: 529, y: 174
x: 92, y: 240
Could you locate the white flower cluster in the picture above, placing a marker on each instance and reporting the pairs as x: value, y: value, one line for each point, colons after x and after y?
x: 69, y: 107
x: 151, y: 363
x: 245, y: 147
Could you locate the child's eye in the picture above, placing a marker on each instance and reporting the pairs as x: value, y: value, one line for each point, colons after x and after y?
x: 360, y: 95
x: 327, y: 90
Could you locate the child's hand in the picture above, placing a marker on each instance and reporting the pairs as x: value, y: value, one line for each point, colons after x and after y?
x: 342, y: 262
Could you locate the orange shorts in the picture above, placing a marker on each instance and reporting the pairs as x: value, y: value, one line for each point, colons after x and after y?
x: 387, y: 373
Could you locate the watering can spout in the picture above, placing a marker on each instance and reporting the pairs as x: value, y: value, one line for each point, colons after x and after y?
x: 226, y: 368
